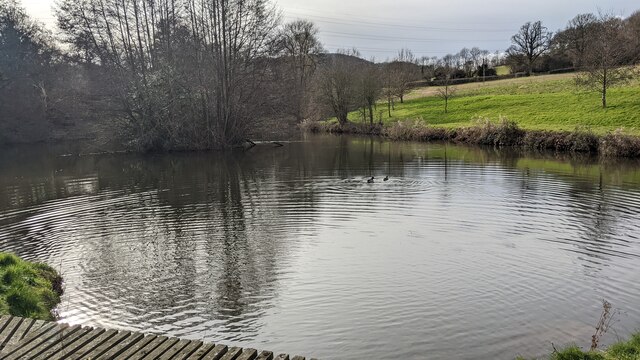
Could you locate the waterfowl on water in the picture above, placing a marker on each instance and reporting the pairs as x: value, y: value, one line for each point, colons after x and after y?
x: 386, y: 178
x: 370, y: 180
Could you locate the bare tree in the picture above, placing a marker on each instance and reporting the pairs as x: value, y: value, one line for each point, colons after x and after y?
x: 388, y: 86
x: 428, y: 67
x: 369, y: 88
x: 633, y: 36
x: 300, y: 46
x: 446, y: 91
x: 604, y: 57
x: 26, y: 57
x: 463, y: 61
x: 405, y: 71
x: 338, y: 85
x: 476, y: 55
x: 530, y: 43
x: 575, y: 38
x: 188, y: 73
x: 484, y: 64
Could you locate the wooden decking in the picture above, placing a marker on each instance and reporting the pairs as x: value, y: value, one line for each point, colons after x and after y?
x: 36, y: 339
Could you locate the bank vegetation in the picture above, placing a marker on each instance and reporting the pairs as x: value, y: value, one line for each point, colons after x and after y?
x: 27, y: 289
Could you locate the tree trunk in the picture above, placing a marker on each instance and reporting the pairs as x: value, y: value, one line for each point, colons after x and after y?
x: 371, y: 114
x: 604, y: 89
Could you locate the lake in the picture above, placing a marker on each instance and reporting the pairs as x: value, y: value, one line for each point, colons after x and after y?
x: 464, y: 253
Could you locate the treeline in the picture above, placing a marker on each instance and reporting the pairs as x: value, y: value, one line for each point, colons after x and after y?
x: 204, y: 74
x: 156, y: 75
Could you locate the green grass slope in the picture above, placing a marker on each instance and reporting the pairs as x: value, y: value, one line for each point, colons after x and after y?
x: 550, y: 102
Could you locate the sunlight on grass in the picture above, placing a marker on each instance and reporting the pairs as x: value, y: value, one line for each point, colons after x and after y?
x: 553, y: 103
x: 28, y: 289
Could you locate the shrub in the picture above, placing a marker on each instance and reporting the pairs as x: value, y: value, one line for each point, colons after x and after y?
x: 487, y: 132
x: 617, y: 144
x: 416, y: 130
x: 312, y: 126
x: 583, y: 140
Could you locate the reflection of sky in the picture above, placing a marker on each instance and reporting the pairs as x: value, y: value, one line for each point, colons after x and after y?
x: 293, y: 251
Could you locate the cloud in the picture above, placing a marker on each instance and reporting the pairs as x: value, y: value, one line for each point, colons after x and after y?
x: 379, y: 28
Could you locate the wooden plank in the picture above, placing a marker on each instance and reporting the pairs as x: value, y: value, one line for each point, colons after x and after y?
x: 231, y: 354
x: 88, y: 346
x: 191, y: 347
x: 122, y: 346
x: 106, y: 345
x: 216, y: 353
x: 37, y: 339
x: 152, y: 345
x: 38, y: 348
x: 265, y: 355
x: 36, y: 335
x: 19, y: 333
x: 34, y: 339
x: 160, y: 350
x: 39, y: 323
x: 248, y: 354
x: 4, y: 320
x: 78, y: 344
x: 10, y: 329
x: 65, y: 343
x: 176, y: 348
x: 23, y: 330
x: 202, y: 351
x: 137, y: 346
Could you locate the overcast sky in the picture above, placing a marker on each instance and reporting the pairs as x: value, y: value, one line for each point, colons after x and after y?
x: 379, y: 28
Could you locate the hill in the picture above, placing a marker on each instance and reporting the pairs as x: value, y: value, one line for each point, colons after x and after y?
x: 550, y: 102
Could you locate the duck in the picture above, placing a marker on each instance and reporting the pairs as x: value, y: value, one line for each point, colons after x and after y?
x: 370, y: 180
x: 386, y: 178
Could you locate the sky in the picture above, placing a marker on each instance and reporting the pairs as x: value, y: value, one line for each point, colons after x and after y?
x: 379, y: 28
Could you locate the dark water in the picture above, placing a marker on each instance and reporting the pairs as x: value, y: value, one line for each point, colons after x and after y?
x: 464, y: 253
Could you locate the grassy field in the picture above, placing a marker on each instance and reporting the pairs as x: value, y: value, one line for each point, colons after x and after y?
x: 28, y: 289
x: 503, y: 70
x: 550, y: 102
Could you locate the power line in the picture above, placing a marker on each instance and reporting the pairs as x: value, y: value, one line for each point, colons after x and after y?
x: 398, y: 38
x: 319, y: 11
x: 339, y: 21
x: 384, y: 50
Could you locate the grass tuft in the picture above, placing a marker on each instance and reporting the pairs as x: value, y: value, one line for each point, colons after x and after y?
x: 575, y: 353
x: 28, y: 289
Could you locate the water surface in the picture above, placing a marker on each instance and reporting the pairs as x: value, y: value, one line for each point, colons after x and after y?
x: 464, y: 253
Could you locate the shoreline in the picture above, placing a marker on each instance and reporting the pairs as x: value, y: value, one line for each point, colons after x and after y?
x: 502, y: 133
